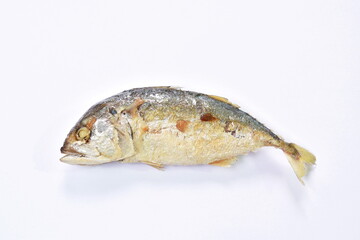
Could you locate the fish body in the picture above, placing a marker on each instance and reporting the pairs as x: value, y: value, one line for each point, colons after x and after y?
x: 167, y: 126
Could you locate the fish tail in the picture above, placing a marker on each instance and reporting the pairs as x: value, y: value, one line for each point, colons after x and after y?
x: 300, y: 159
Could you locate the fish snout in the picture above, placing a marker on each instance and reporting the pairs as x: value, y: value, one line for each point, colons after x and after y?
x: 70, y: 153
x: 68, y: 149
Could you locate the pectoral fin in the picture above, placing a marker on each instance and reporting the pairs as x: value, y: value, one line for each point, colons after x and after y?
x: 225, y: 162
x: 133, y: 108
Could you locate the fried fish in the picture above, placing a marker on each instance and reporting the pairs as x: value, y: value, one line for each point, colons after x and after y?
x: 167, y: 126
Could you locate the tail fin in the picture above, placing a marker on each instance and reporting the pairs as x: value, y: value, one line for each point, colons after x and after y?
x: 300, y: 161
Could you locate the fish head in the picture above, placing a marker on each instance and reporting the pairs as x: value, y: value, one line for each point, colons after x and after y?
x: 100, y: 136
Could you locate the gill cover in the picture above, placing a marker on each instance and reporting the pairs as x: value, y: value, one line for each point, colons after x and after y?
x: 108, y: 139
x: 125, y: 138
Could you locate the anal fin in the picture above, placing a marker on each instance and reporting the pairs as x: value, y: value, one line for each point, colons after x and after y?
x: 225, y: 162
x: 158, y: 166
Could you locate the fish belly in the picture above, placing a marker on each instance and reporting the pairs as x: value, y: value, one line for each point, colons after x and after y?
x: 200, y: 143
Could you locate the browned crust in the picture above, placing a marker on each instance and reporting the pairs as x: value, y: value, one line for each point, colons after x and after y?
x: 145, y: 129
x: 182, y: 125
x: 90, y: 122
x: 207, y: 117
x: 155, y: 131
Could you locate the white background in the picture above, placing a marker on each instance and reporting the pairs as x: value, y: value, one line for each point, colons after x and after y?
x: 294, y: 65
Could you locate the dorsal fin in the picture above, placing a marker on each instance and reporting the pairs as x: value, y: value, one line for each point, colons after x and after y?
x: 225, y: 100
x: 167, y: 87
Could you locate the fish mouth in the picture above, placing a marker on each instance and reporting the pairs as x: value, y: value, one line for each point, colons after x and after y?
x: 72, y: 156
x: 66, y: 149
x: 81, y: 160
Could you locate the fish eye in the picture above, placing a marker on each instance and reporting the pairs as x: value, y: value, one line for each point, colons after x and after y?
x: 112, y: 111
x: 83, y: 134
